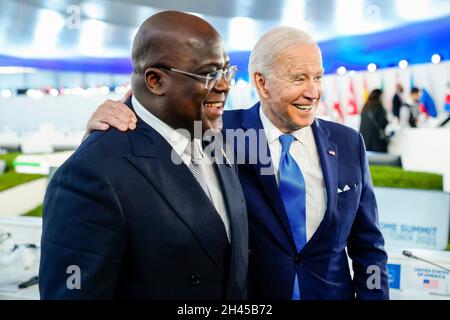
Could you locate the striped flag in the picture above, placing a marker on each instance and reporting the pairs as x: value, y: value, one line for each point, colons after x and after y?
x: 447, y: 103
x: 352, y: 105
x: 427, y: 104
x: 337, y: 103
x: 365, y: 91
x: 337, y: 108
x: 430, y: 283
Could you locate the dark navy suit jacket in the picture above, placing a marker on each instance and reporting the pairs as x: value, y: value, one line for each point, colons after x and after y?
x: 139, y: 226
x: 350, y: 222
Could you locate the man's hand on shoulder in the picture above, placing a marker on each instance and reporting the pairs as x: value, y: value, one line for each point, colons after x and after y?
x: 113, y: 113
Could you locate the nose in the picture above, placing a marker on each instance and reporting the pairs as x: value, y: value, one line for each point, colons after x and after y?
x: 313, y: 91
x: 222, y: 85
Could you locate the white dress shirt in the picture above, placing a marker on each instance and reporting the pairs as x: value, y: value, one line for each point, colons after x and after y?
x: 304, y: 152
x: 179, y: 143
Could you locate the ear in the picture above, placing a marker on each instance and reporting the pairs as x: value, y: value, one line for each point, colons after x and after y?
x: 154, y: 81
x: 260, y: 84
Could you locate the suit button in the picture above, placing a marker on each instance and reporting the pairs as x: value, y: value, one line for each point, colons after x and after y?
x: 195, y: 279
x: 297, y: 259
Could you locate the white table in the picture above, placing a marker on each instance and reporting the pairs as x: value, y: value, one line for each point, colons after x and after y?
x: 30, y: 293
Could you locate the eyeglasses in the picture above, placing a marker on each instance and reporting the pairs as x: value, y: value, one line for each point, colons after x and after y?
x: 211, y: 78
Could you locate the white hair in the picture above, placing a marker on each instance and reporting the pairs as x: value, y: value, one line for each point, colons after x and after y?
x: 271, y: 45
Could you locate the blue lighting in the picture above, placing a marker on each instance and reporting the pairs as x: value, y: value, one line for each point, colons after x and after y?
x: 415, y: 43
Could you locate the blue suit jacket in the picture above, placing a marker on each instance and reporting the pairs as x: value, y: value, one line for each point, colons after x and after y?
x: 139, y: 226
x: 350, y: 221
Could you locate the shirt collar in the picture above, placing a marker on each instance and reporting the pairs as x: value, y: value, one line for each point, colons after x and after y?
x: 178, y: 141
x: 303, y: 135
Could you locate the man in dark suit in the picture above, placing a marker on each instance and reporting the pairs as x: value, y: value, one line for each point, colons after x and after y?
x: 143, y: 214
x: 397, y: 101
x: 309, y: 193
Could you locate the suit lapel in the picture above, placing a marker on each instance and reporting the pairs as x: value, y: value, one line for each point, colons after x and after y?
x: 329, y: 155
x: 237, y: 217
x: 152, y: 157
x: 268, y: 182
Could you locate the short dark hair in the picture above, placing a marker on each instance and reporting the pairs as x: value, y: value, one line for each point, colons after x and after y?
x: 414, y: 90
x: 141, y: 55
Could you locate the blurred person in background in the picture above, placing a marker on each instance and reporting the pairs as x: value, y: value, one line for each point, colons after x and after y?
x: 410, y: 115
x: 397, y: 101
x: 374, y: 122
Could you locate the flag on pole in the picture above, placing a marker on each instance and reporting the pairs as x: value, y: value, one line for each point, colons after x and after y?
x: 337, y: 103
x: 337, y: 108
x: 427, y: 104
x: 447, y: 103
x: 352, y: 105
x: 365, y: 91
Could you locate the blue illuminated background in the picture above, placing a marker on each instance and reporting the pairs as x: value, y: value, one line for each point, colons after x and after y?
x: 415, y: 43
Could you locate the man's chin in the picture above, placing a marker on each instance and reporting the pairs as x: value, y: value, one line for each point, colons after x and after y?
x: 301, y: 123
x: 213, y: 126
x: 305, y: 120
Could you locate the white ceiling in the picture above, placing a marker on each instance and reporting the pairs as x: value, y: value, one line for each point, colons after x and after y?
x: 105, y: 28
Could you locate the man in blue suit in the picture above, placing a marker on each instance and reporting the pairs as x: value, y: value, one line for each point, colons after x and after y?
x: 143, y: 215
x: 309, y: 193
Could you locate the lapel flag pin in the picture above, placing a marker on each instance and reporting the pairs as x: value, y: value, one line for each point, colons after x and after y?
x: 331, y: 152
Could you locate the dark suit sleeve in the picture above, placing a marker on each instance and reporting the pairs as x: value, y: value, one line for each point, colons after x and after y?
x: 396, y: 104
x: 83, y: 226
x: 366, y: 243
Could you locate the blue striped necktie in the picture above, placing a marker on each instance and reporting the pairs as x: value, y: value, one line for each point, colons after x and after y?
x: 293, y: 193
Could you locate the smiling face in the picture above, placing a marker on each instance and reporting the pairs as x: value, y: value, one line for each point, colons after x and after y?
x: 188, y: 99
x: 291, y: 94
x: 214, y: 103
x: 173, y: 52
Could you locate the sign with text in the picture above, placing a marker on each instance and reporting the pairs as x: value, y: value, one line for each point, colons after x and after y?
x: 414, y: 218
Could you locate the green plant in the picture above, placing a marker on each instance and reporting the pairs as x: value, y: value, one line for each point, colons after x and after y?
x: 394, y: 177
x: 36, y: 212
x: 11, y: 179
x: 9, y: 157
